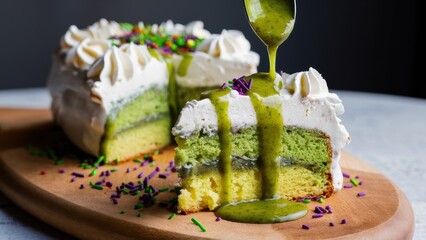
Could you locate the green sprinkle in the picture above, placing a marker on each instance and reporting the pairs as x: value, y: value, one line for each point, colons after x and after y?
x: 117, y: 160
x: 138, y: 206
x: 139, y: 214
x: 198, y: 224
x: 229, y: 88
x: 140, y: 182
x: 98, y: 187
x: 307, y: 200
x: 163, y: 189
x: 321, y: 200
x: 231, y: 82
x: 156, y: 152
x: 137, y: 192
x: 354, y: 182
x: 172, y: 216
x: 91, y: 183
x: 99, y: 161
x: 122, y: 212
x: 125, y: 191
x: 126, y: 26
x: 93, y: 172
x: 113, y: 169
x: 137, y: 160
x: 152, y: 164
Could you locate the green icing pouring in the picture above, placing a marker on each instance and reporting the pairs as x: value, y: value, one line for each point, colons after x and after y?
x: 272, y: 21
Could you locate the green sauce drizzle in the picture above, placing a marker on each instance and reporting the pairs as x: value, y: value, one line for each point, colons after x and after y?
x: 272, y: 21
x: 184, y: 65
x: 225, y: 138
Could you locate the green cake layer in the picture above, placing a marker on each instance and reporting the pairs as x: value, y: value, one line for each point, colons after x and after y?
x: 140, y: 126
x: 309, y: 148
x: 304, y: 170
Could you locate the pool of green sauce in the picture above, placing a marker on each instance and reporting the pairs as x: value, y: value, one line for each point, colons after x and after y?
x: 263, y: 211
x: 272, y: 21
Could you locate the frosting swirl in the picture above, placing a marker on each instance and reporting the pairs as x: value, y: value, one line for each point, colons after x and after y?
x: 229, y: 45
x: 84, y: 54
x: 123, y: 71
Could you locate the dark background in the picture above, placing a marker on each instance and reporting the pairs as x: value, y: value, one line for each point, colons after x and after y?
x: 361, y: 45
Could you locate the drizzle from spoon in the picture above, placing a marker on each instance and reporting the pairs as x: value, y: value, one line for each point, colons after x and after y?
x: 272, y: 21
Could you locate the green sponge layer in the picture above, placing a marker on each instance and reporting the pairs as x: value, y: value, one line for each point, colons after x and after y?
x: 144, y: 108
x: 302, y: 147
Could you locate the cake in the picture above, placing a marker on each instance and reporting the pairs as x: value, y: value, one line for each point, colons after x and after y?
x: 310, y: 143
x: 118, y: 87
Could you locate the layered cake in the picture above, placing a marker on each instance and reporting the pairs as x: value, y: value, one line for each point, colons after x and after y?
x: 228, y: 122
x: 117, y: 88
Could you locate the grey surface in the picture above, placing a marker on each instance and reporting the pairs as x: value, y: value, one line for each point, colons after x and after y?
x: 387, y: 131
x: 370, y: 45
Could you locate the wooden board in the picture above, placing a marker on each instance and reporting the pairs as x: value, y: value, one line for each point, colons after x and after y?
x: 384, y: 213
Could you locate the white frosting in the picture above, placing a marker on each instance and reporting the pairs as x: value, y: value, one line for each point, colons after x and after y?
x: 306, y: 102
x: 103, y: 29
x: 218, y: 59
x: 83, y: 55
x: 195, y: 28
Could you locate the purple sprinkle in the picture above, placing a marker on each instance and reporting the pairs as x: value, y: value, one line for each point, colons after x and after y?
x: 331, y: 224
x: 102, y: 174
x: 145, y: 181
x: 174, y: 169
x: 121, y: 187
x: 99, y: 183
x: 140, y: 175
x: 318, y: 215
x: 82, y: 186
x: 306, y: 227
x: 77, y: 174
x: 281, y: 73
x: 356, y: 176
x: 107, y: 173
x: 319, y: 209
x: 109, y: 184
x: 73, y: 179
x: 117, y: 189
x: 114, y: 200
x: 329, y: 209
x: 135, y: 168
x: 218, y: 219
x: 115, y: 195
x: 127, y: 170
x: 157, y: 169
x: 144, y: 163
x: 129, y: 186
x: 61, y: 171
x: 152, y: 174
x: 171, y: 163
x: 153, y: 189
x: 223, y: 86
x: 344, y: 221
x: 346, y: 175
x: 360, y: 183
x: 164, y: 175
x: 361, y: 194
x: 348, y: 186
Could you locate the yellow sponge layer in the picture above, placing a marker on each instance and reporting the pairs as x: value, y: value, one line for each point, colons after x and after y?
x: 203, y: 191
x: 140, y: 139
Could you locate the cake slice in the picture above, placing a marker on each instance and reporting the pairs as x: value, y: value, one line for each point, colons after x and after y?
x: 308, y: 144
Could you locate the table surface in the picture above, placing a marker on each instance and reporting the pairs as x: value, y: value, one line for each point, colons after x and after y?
x: 388, y: 132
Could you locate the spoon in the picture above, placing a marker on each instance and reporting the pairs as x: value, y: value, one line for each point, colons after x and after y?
x: 272, y: 21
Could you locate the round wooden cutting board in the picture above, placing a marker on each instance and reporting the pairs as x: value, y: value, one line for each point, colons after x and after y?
x: 35, y: 184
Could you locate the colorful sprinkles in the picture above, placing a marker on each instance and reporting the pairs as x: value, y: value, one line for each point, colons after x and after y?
x: 165, y: 43
x: 196, y: 222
